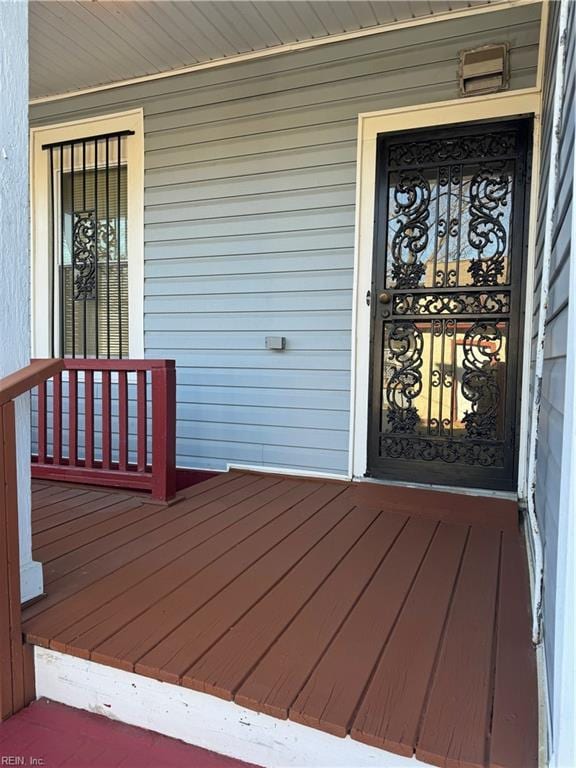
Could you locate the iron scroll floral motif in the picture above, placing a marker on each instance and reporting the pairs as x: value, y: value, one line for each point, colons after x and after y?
x: 448, y: 225
x: 452, y: 149
x: 471, y: 303
x: 90, y: 242
x: 447, y: 451
x: 84, y: 255
x: 479, y: 444
x: 443, y: 377
x: 489, y: 195
x: 107, y: 239
x: 482, y: 344
x: 412, y: 200
x: 405, y: 345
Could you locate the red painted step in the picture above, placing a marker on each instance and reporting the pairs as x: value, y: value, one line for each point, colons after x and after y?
x: 53, y: 735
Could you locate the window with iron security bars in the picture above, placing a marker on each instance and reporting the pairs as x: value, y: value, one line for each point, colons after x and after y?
x: 89, y: 247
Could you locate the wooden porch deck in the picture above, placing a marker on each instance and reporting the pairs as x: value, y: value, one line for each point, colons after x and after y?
x: 398, y: 617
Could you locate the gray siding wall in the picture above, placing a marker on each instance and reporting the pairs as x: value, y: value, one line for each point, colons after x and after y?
x: 250, y: 188
x: 550, y: 433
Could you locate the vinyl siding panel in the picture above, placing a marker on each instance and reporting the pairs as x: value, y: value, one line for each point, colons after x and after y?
x: 551, y: 427
x: 250, y: 177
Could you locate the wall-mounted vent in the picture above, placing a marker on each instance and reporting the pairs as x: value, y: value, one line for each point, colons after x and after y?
x: 484, y: 70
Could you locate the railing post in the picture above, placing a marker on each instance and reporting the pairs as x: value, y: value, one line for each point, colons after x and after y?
x: 12, y: 658
x: 164, y: 431
x: 16, y: 656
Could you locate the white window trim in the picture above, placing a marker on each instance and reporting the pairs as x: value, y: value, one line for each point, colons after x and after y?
x: 40, y: 224
x: 370, y: 125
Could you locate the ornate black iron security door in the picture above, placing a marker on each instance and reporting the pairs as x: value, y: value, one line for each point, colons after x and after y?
x: 446, y: 305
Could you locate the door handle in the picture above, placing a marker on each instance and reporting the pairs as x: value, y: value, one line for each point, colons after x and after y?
x: 384, y: 297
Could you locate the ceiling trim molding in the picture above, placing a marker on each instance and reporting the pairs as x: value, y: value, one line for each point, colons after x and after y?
x: 290, y: 47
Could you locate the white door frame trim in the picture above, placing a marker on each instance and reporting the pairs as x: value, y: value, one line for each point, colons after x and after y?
x: 132, y: 120
x: 370, y: 125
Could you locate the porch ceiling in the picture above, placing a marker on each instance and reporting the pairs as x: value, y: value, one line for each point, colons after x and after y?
x: 77, y: 44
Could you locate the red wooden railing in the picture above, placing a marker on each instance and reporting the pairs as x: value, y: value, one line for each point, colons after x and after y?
x: 88, y: 412
x: 16, y: 656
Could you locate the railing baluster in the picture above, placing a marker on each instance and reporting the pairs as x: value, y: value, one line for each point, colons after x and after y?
x: 42, y: 423
x: 89, y: 419
x: 141, y: 421
x: 106, y: 421
x: 73, y: 418
x: 123, y: 421
x: 57, y: 418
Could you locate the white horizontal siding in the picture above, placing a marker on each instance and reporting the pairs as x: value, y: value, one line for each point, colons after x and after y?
x: 218, y: 322
x: 249, y: 227
x: 300, y: 340
x: 266, y: 244
x: 274, y: 202
x: 256, y: 186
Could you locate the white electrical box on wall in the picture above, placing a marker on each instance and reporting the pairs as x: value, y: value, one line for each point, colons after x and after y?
x: 276, y: 342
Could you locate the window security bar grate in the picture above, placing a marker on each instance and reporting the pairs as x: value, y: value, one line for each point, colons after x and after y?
x: 88, y: 247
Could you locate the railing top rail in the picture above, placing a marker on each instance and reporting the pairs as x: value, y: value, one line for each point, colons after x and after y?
x: 83, y: 364
x: 27, y: 378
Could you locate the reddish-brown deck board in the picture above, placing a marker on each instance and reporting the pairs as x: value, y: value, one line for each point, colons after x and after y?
x: 166, y: 545
x: 79, y: 507
x: 101, y: 548
x: 459, y: 508
x: 106, y: 556
x: 58, y: 502
x: 515, y: 688
x: 71, y: 560
x: 391, y: 708
x: 44, y: 491
x: 454, y: 730
x: 71, y: 528
x: 206, y: 543
x: 38, y: 485
x: 236, y: 586
x: 290, y: 647
x: 198, y: 633
x: 332, y: 694
x: 105, y: 522
x: 164, y: 631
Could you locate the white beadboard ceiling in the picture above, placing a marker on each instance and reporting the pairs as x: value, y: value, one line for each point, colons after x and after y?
x: 77, y: 44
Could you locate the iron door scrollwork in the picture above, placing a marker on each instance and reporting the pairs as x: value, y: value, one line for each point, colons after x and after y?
x: 448, y: 256
x: 84, y: 255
